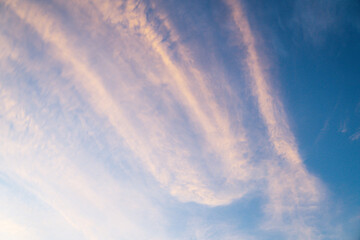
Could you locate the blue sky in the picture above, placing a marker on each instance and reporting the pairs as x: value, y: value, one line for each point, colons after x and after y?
x: 158, y: 119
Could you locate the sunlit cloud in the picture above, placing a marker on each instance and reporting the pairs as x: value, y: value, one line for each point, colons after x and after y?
x: 297, y: 190
x: 109, y: 120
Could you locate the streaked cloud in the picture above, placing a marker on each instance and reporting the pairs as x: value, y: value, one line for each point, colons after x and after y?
x: 343, y: 126
x: 318, y: 19
x: 110, y: 120
x: 298, y: 190
x: 355, y: 136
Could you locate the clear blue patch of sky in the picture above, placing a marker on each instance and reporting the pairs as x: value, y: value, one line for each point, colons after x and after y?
x: 319, y: 83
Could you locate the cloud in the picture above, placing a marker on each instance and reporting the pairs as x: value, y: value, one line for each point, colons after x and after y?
x: 343, y: 127
x: 110, y: 119
x: 318, y: 19
x: 292, y: 189
x: 79, y: 189
x: 355, y: 136
x: 10, y: 229
x: 218, y: 137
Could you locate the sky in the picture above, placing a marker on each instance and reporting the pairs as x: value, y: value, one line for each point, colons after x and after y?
x: 193, y: 119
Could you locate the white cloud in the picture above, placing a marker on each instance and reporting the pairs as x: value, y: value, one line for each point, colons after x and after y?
x: 114, y: 87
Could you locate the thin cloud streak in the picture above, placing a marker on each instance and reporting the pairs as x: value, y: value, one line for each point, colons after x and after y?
x: 298, y: 190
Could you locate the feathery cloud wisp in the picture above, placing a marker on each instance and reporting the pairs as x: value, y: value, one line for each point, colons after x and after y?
x: 298, y: 189
x: 125, y: 92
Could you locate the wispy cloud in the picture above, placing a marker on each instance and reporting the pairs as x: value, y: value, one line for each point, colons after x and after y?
x: 78, y: 188
x: 292, y: 190
x: 110, y: 122
x: 355, y: 136
x: 318, y: 19
x: 343, y: 127
x: 187, y: 88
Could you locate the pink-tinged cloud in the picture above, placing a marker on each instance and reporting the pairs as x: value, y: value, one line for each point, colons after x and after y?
x: 292, y: 190
x: 355, y: 136
x: 186, y: 86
